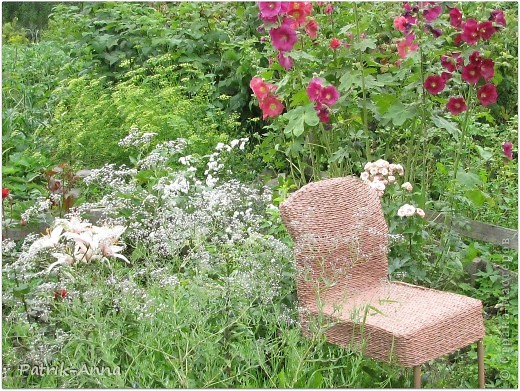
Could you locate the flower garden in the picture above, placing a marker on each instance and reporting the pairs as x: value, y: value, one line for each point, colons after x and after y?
x: 146, y: 148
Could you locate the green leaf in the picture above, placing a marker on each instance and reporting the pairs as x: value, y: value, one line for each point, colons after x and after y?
x: 468, y: 180
x: 21, y: 290
x: 484, y: 153
x: 384, y: 101
x: 476, y: 196
x: 315, y: 381
x: 449, y: 126
x: 298, y: 117
x: 365, y: 43
x: 398, y: 114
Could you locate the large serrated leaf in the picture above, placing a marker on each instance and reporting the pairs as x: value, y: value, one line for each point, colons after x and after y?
x: 399, y: 113
x: 468, y: 180
x: 365, y: 43
x: 450, y: 127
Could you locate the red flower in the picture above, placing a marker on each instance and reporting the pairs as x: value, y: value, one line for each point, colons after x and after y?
x: 487, y: 68
x: 434, y: 84
x: 60, y: 294
x: 447, y: 63
x: 486, y: 30
x: 471, y: 73
x: 406, y: 46
x: 457, y: 40
x: 470, y: 33
x: 433, y: 13
x: 475, y: 58
x: 328, y: 9
x: 446, y: 76
x: 507, y: 147
x: 286, y: 62
x: 271, y: 107
x: 400, y: 23
x: 5, y: 192
x: 312, y: 28
x: 487, y: 94
x: 283, y: 38
x: 314, y: 89
x: 456, y: 105
x: 299, y: 11
x: 497, y: 16
x: 329, y: 95
x: 455, y: 17
x: 335, y: 43
x: 260, y: 88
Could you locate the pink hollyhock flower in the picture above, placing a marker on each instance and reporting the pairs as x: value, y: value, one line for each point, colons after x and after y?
x: 456, y: 105
x: 470, y: 33
x: 271, y: 107
x: 433, y: 13
x: 286, y: 62
x: 312, y: 28
x: 487, y: 94
x: 507, y: 147
x: 486, y: 30
x: 448, y: 63
x: 329, y: 95
x: 259, y: 87
x: 299, y: 10
x: 400, y: 23
x: 324, y: 116
x: 406, y: 46
x: 446, y: 76
x: 471, y: 73
x: 290, y: 22
x: 314, y: 89
x: 283, y: 38
x: 5, y: 192
x: 328, y: 9
x: 455, y: 17
x: 497, y: 16
x: 434, y: 84
x: 335, y: 43
x: 487, y: 69
x: 269, y: 9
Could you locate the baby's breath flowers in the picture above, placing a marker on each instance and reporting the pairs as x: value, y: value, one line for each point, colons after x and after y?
x: 381, y: 173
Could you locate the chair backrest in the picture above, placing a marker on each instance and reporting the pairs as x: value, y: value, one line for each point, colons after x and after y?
x: 340, y: 237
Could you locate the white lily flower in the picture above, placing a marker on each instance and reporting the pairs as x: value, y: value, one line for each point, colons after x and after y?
x: 47, y: 241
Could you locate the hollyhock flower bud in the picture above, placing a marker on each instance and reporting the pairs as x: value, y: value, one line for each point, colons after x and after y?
x: 335, y: 43
x: 5, y: 192
x: 328, y: 9
x: 456, y: 105
x: 283, y: 38
x: 507, y: 147
x: 455, y: 17
x: 487, y: 94
x: 470, y: 33
x: 434, y: 84
x: 471, y: 73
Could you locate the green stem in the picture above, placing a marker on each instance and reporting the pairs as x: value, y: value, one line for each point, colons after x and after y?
x: 363, y: 89
x: 424, y: 131
x: 464, y: 130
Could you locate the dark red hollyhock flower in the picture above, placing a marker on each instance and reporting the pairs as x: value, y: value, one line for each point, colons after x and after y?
x: 447, y: 63
x: 435, y: 32
x: 434, y: 84
x: 455, y: 17
x: 487, y: 94
x: 446, y: 76
x: 458, y: 59
x: 487, y: 69
x: 475, y: 58
x: 5, y: 192
x: 497, y: 16
x: 471, y: 73
x: 486, y: 30
x: 507, y: 147
x: 433, y: 13
x: 470, y: 33
x: 457, y: 40
x: 456, y: 105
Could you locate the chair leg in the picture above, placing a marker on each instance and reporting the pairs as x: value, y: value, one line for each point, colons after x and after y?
x: 417, y: 376
x: 480, y: 358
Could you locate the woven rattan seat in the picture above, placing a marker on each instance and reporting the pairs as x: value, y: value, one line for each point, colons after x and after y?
x: 340, y: 246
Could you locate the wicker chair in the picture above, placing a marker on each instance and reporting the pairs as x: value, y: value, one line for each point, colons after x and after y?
x: 340, y: 247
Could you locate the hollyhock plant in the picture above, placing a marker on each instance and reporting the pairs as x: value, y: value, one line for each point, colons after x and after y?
x: 507, y: 147
x: 456, y: 105
x: 283, y: 38
x: 471, y: 73
x: 487, y: 94
x: 271, y: 107
x: 286, y: 62
x: 455, y: 17
x: 434, y: 84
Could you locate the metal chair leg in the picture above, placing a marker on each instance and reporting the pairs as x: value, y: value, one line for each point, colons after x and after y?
x: 480, y: 358
x: 417, y: 376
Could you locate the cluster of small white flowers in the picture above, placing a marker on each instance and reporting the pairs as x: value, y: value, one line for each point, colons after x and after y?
x: 8, y: 245
x: 110, y: 177
x: 135, y: 139
x: 380, y: 173
x: 171, y: 188
x: 41, y: 205
x: 408, y: 210
x: 214, y: 165
x: 162, y: 153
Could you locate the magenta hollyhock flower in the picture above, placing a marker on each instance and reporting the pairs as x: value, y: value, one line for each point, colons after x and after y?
x: 324, y: 115
x: 271, y: 106
x: 486, y: 30
x: 434, y: 84
x: 328, y: 9
x: 448, y: 63
x: 286, y: 62
x: 446, y: 76
x: 487, y: 69
x: 314, y: 89
x: 507, y: 147
x: 329, y: 95
x: 487, y: 94
x: 311, y: 28
x: 497, y: 16
x: 475, y: 58
x: 290, y: 22
x: 456, y: 105
x: 457, y: 39
x: 335, y: 43
x: 433, y: 13
x: 407, y: 45
x: 283, y: 38
x: 269, y: 9
x: 470, y: 33
x: 455, y: 17
x: 400, y: 23
x: 471, y: 73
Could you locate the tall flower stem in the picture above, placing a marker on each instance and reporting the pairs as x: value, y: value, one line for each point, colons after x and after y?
x: 363, y: 89
x: 463, y: 131
x: 424, y: 132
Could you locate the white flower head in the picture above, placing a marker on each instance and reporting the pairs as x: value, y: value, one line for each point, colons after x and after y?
x: 407, y: 186
x: 406, y: 210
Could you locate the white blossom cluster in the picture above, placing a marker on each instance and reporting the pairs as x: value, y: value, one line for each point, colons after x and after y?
x: 162, y: 153
x: 110, y: 177
x: 215, y: 164
x: 381, y: 173
x: 136, y: 139
x: 408, y: 210
x: 41, y: 205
